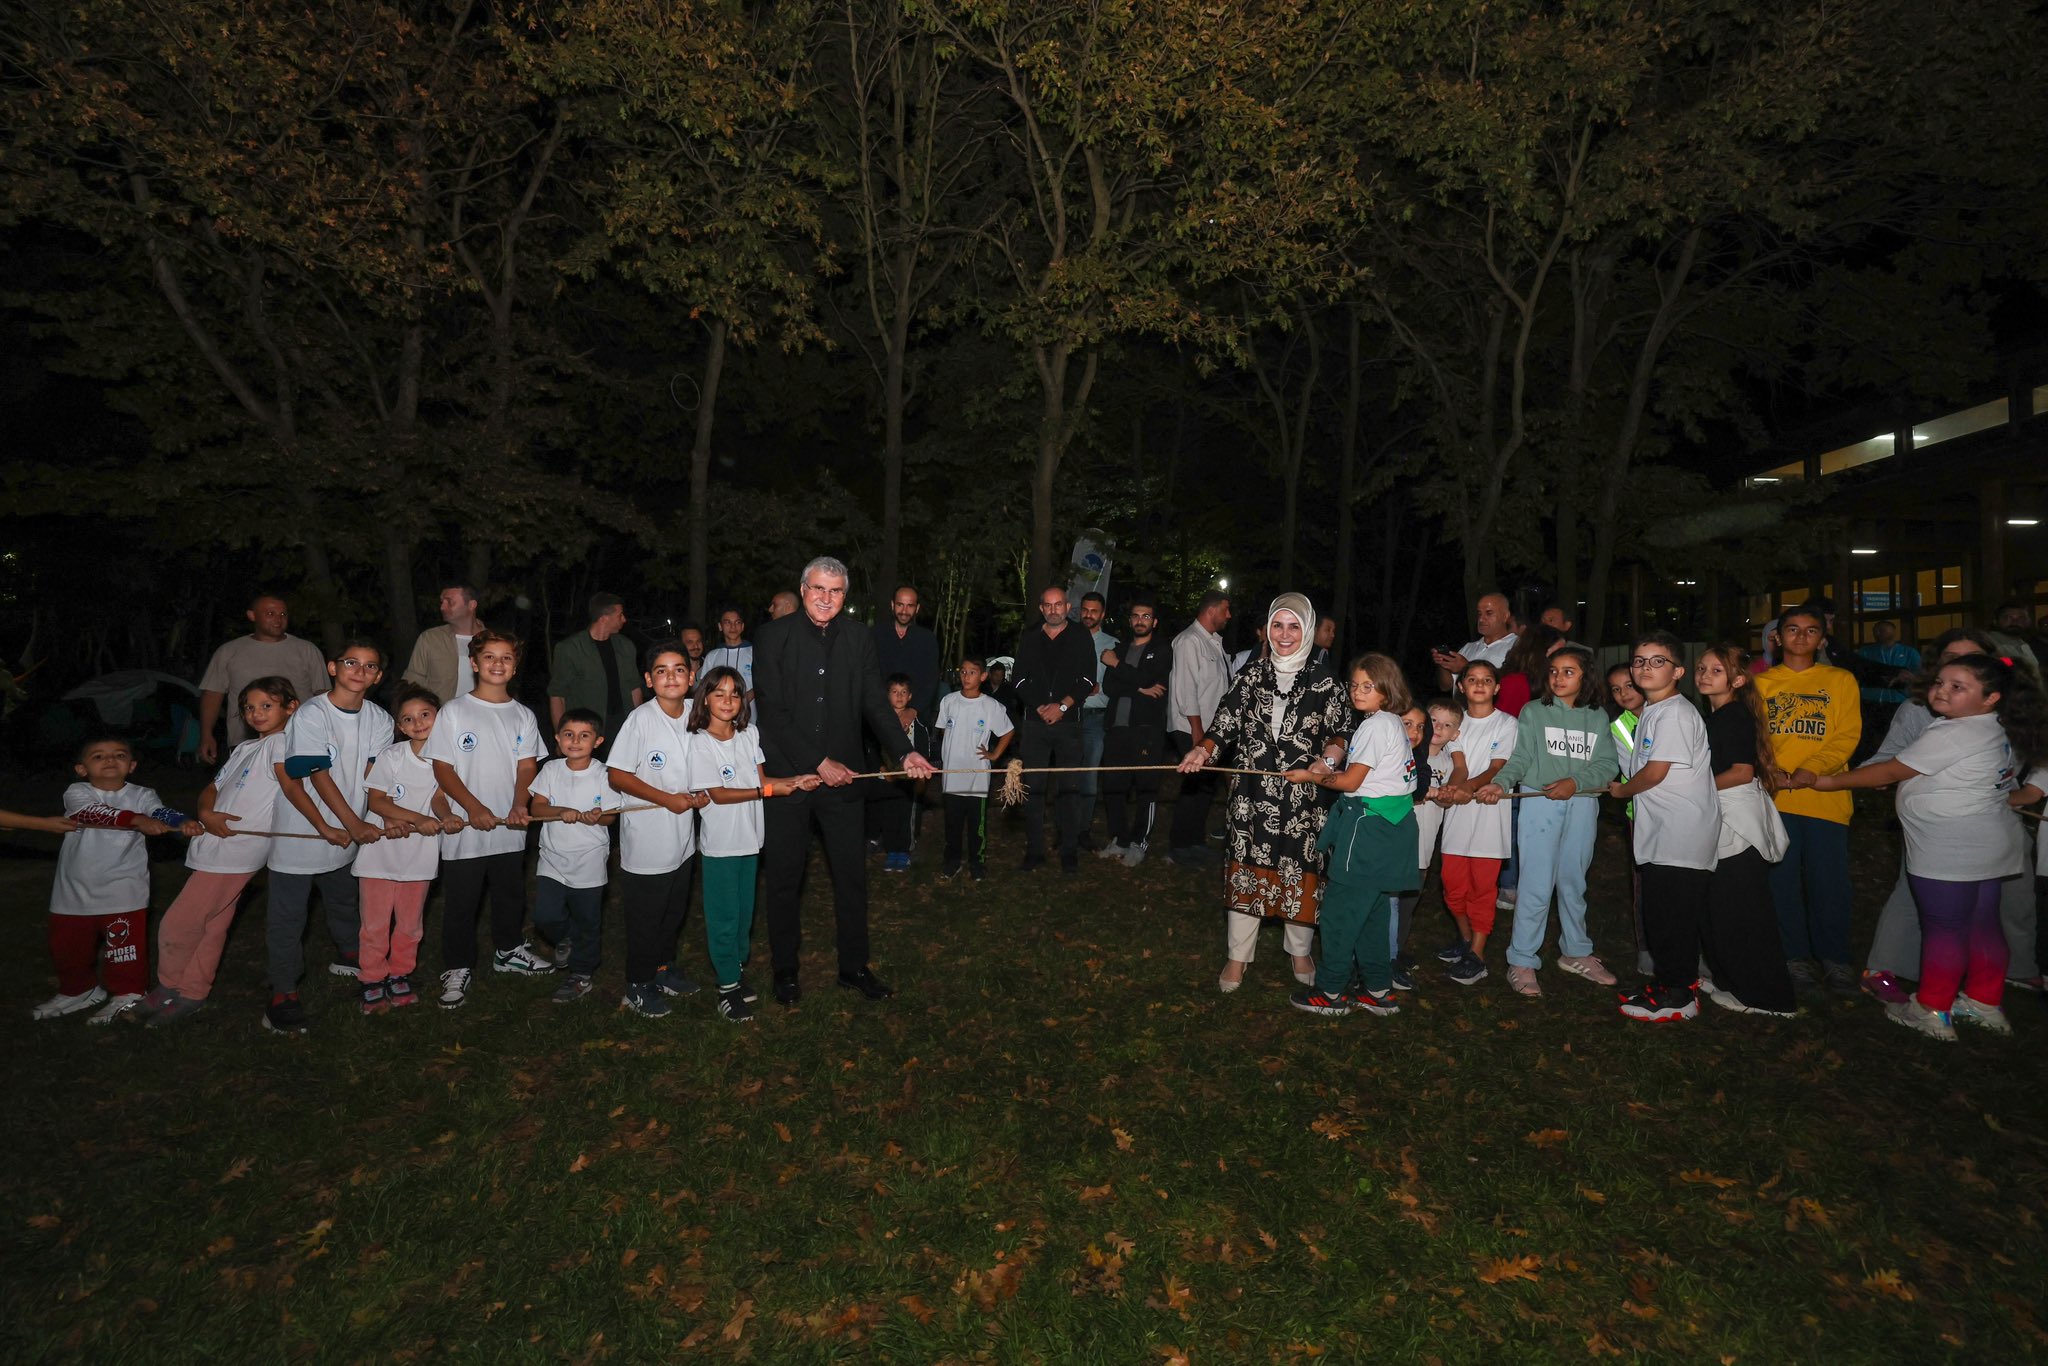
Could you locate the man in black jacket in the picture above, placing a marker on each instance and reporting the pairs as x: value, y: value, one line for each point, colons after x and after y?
x: 1055, y: 671
x: 815, y: 686
x: 1134, y: 680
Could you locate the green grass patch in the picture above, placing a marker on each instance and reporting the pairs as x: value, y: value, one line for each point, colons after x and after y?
x: 1058, y: 1143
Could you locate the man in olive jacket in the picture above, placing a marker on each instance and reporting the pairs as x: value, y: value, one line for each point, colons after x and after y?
x: 815, y: 686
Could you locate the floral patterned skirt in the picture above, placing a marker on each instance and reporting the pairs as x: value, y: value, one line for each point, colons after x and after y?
x: 1274, y: 867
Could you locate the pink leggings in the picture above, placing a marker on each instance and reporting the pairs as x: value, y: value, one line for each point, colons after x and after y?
x: 195, y: 928
x: 392, y: 917
x: 1962, y: 941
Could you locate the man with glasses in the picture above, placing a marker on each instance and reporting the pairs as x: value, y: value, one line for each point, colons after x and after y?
x: 1055, y: 672
x: 816, y: 686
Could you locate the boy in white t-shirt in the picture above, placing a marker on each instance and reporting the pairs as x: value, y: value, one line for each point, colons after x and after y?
x: 322, y: 790
x: 577, y: 808
x: 1669, y: 775
x: 244, y: 792
x: 974, y: 730
x: 486, y: 748
x: 101, y: 894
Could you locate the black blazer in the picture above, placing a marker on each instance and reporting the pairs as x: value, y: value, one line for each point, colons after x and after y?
x: 815, y: 691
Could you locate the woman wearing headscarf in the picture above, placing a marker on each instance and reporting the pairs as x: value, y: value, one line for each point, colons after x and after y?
x: 1283, y: 712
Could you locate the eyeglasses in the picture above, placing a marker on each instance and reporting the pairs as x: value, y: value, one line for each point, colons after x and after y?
x: 353, y: 663
x: 1363, y: 685
x: 1648, y: 662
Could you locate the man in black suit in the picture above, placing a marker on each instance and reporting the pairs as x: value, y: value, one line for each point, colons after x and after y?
x: 815, y: 685
x: 1055, y: 672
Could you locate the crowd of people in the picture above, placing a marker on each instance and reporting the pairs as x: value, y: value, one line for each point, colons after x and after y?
x: 1345, y: 788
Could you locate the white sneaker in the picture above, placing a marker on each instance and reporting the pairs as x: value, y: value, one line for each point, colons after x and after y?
x: 60, y: 1004
x: 1587, y: 966
x: 522, y: 960
x: 1505, y: 900
x: 1134, y: 854
x: 1110, y: 851
x: 1523, y: 980
x: 1737, y: 1006
x: 1968, y: 1011
x: 1935, y: 1024
x: 117, y: 1006
x: 454, y: 988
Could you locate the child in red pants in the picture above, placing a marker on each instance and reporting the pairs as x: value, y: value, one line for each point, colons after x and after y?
x: 1477, y: 839
x: 101, y: 895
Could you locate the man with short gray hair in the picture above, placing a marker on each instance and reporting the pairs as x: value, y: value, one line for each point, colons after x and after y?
x: 816, y: 687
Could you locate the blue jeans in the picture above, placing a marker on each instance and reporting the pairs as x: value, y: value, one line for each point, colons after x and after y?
x: 573, y: 913
x: 1094, y: 725
x: 1511, y: 870
x: 1811, y: 886
x: 1555, y: 849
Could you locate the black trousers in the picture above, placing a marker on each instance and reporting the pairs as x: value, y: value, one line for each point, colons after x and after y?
x: 464, y: 884
x: 1129, y: 798
x: 1191, y: 811
x: 1674, y: 909
x: 1741, y: 934
x: 656, y: 905
x: 891, y: 805
x: 837, y: 815
x: 1057, y: 745
x: 966, y: 831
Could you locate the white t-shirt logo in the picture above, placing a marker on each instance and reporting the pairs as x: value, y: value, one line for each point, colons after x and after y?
x: 725, y: 772
x: 333, y: 752
x: 398, y: 792
x: 656, y: 759
x: 467, y: 744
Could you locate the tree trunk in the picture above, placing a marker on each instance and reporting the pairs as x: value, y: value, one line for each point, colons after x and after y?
x: 898, y: 343
x: 1347, y: 477
x: 400, y: 623
x: 700, y: 474
x: 1059, y: 415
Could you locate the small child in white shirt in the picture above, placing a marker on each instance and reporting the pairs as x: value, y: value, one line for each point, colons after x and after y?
x: 395, y: 873
x: 974, y: 730
x: 578, y: 806
x: 101, y: 895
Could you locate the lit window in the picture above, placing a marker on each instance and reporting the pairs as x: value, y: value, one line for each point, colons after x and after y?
x: 1862, y: 453
x: 1954, y: 425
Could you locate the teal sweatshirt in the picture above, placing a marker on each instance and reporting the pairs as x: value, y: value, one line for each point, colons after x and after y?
x: 1555, y: 741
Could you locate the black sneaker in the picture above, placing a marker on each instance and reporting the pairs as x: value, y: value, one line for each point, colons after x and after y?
x: 1804, y: 978
x: 1402, y: 981
x: 669, y: 982
x: 1374, y: 1002
x: 1468, y: 971
x: 748, y: 994
x: 1316, y: 1003
x: 285, y: 1015
x: 1451, y: 953
x: 788, y: 990
x: 732, y: 1004
x: 1660, y: 1005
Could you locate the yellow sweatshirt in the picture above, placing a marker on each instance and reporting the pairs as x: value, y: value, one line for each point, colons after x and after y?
x: 1816, y: 719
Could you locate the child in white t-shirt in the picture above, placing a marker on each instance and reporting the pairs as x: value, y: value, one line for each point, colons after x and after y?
x: 101, y: 894
x: 727, y: 765
x: 1476, y: 839
x: 244, y: 792
x: 485, y: 749
x: 648, y: 765
x: 322, y: 790
x: 577, y: 807
x: 974, y: 730
x: 1669, y: 775
x: 396, y: 872
x: 1369, y: 836
x: 1962, y: 840
x: 1427, y: 729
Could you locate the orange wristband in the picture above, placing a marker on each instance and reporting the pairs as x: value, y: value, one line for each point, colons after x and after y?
x: 767, y: 789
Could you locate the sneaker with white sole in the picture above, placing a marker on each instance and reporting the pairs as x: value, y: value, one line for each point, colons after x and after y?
x: 1469, y: 970
x: 1935, y: 1024
x: 1373, y: 1002
x: 1114, y: 849
x: 285, y: 1015
x: 1967, y: 1010
x: 1588, y: 967
x: 454, y: 989
x: 60, y: 1004
x: 398, y: 990
x: 1523, y: 980
x: 1504, y: 899
x: 1134, y: 854
x: 345, y: 965
x: 1320, y: 1003
x: 1661, y: 1005
x: 575, y: 986
x: 180, y: 1008
x: 1735, y: 1005
x: 669, y: 982
x: 117, y: 1006
x: 643, y: 998
x: 732, y: 1004
x: 373, y: 998
x: 522, y: 960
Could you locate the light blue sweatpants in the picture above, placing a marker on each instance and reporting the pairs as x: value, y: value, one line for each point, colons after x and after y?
x: 1555, y: 848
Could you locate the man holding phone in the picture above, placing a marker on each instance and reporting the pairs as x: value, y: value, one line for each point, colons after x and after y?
x: 1496, y: 638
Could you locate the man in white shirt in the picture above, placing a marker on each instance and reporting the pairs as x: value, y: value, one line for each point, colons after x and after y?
x: 1094, y: 710
x: 1496, y: 637
x: 440, y: 656
x: 1200, y: 677
x: 265, y: 652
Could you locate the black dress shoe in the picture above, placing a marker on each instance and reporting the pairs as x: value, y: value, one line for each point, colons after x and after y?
x: 788, y: 991
x: 867, y: 984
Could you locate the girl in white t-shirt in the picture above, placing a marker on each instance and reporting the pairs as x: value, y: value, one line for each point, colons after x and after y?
x: 486, y: 749
x: 1369, y: 842
x: 195, y: 928
x: 648, y: 765
x: 1477, y: 839
x: 726, y: 764
x: 1962, y: 839
x: 395, y: 872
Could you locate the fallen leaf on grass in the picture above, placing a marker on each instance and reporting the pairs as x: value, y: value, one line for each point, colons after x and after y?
x: 45, y: 1222
x: 220, y: 1245
x: 1545, y: 1138
x: 1495, y: 1270
x: 1597, y: 1197
x: 1332, y: 1128
x: 1698, y: 1177
x: 1174, y: 1355
x: 1272, y: 1243
x: 1806, y: 1208
x: 582, y: 1161
x: 628, y: 1257
x: 738, y: 1323
x: 1177, y: 1297
x: 782, y: 1131
x: 237, y: 1169
x: 1889, y: 1282
x: 1089, y: 1194
x: 1599, y: 1346
x: 1123, y: 1140
x: 919, y: 1310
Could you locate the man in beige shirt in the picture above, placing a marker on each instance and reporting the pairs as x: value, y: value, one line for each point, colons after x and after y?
x: 440, y: 656
x: 265, y: 652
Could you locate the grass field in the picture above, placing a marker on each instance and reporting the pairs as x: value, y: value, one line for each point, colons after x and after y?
x: 1058, y: 1143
